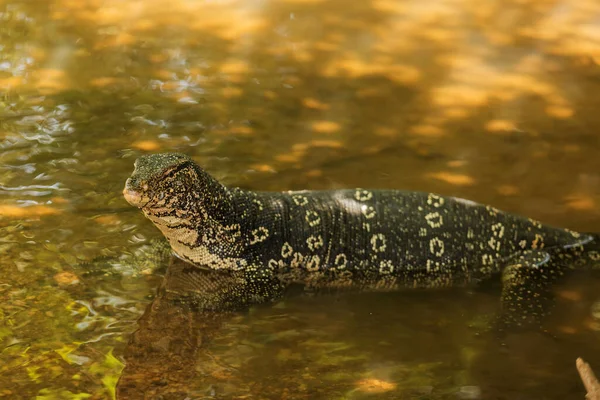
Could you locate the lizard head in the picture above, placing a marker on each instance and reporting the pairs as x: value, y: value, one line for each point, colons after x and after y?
x: 182, y: 200
x: 159, y: 179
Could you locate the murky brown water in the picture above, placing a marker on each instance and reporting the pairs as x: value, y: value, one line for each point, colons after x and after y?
x: 494, y: 101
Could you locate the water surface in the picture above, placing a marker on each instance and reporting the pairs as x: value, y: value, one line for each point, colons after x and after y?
x: 495, y: 101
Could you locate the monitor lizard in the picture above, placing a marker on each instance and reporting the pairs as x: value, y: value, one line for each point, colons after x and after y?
x: 351, y: 238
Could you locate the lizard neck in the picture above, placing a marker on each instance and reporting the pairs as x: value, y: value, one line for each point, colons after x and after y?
x: 197, y: 220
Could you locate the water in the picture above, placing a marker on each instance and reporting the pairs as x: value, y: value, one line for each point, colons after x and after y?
x: 496, y: 102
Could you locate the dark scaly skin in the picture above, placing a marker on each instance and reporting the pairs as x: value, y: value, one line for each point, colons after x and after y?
x: 366, y: 239
x: 238, y: 267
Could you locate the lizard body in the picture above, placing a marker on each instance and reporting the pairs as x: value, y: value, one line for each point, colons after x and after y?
x: 367, y: 239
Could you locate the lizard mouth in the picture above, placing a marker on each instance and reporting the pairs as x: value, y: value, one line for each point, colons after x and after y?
x: 134, y: 197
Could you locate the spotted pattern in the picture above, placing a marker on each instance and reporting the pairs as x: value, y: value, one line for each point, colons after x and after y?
x: 538, y: 242
x: 433, y: 266
x: 297, y: 260
x: 373, y: 239
x: 492, y: 211
x: 435, y: 200
x: 470, y: 233
x: 313, y: 264
x: 436, y: 247
x: 314, y: 242
x: 259, y: 234
x: 498, y: 230
x: 300, y: 200
x: 363, y: 195
x: 386, y: 267
x: 258, y: 204
x: 312, y: 218
x: 378, y: 243
x: 494, y: 244
x: 487, y: 259
x: 234, y: 230
x: 340, y: 261
x: 368, y: 211
x: 434, y: 219
x: 286, y: 250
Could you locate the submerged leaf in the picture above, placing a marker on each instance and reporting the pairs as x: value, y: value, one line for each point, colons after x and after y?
x: 110, y: 370
x: 65, y: 353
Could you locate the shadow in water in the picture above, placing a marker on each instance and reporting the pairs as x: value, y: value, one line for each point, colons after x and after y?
x: 190, y: 307
x: 196, y: 340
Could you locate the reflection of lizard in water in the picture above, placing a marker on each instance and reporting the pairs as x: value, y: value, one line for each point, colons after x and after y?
x: 191, y: 304
x: 365, y: 239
